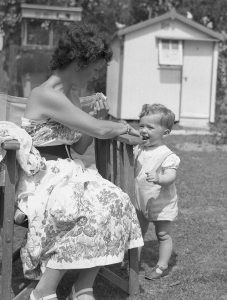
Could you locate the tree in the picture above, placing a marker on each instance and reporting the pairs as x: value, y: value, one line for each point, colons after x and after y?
x: 145, y: 9
x: 203, y: 11
x: 105, y: 14
x: 9, y: 20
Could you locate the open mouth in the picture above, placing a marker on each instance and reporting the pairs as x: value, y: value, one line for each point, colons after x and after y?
x: 145, y: 138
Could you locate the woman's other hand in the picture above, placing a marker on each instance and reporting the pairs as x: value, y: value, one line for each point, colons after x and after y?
x: 100, y: 108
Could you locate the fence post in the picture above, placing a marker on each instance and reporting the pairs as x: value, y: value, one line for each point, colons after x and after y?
x: 8, y: 220
x: 129, y: 187
x: 102, y: 158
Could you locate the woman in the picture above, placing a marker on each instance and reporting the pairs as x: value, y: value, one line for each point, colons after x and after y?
x: 77, y: 219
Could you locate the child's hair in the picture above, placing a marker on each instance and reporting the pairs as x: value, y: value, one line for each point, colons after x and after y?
x: 167, y: 116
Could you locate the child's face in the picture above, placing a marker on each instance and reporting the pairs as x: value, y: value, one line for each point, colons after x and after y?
x: 151, y: 131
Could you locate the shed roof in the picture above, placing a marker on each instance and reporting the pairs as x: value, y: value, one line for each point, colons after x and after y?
x: 173, y: 15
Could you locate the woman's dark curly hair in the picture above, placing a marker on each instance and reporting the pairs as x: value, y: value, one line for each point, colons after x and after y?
x: 82, y: 43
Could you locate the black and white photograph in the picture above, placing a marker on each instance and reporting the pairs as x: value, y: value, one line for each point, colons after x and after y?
x: 113, y: 149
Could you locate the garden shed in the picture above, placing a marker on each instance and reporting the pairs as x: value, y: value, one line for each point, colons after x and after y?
x: 169, y: 59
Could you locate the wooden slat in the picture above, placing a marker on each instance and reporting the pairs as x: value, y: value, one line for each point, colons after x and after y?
x: 130, y: 190
x: 114, y: 278
x: 102, y: 157
x: 133, y: 271
x: 7, y: 145
x: 7, y: 241
x: 24, y: 294
x: 115, y: 161
x: 121, y: 160
x: 129, y: 172
x: 108, y: 161
x: 11, y: 145
x: 1, y: 205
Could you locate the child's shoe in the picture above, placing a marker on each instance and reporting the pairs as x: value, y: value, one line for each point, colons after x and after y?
x: 156, y: 273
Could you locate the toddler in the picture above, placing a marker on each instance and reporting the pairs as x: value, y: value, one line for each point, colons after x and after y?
x: 155, y: 174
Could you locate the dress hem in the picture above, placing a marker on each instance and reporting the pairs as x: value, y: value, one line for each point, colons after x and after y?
x: 91, y: 263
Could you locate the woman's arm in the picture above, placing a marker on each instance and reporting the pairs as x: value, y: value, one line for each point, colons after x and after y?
x: 55, y: 105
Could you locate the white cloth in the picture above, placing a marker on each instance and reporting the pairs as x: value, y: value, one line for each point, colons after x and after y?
x: 27, y: 156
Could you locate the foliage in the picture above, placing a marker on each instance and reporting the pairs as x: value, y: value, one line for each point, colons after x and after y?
x: 145, y: 9
x: 207, y: 12
x: 9, y: 20
x: 105, y: 13
x: 53, y: 2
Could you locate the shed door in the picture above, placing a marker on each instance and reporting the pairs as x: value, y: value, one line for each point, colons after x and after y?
x: 196, y: 79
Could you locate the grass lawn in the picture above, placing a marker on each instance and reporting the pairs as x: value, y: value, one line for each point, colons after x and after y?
x: 198, y: 267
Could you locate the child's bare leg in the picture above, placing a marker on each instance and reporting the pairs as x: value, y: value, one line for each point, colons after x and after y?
x: 48, y: 283
x: 162, y: 229
x: 84, y: 284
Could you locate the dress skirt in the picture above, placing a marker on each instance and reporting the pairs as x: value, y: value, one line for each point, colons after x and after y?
x: 77, y: 219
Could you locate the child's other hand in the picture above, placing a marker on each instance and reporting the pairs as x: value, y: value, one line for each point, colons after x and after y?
x: 152, y: 177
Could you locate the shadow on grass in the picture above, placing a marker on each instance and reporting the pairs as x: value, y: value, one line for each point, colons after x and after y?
x: 149, y: 256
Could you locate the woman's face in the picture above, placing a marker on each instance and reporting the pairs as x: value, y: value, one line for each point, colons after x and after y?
x: 89, y: 73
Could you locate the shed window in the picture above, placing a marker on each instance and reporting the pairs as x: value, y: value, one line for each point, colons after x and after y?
x: 170, y: 52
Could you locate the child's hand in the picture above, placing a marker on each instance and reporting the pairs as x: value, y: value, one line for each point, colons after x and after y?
x: 152, y: 177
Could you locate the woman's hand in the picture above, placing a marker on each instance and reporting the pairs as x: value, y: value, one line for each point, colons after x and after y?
x: 100, y: 108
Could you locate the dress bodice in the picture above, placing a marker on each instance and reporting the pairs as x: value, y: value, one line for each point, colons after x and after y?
x: 49, y: 132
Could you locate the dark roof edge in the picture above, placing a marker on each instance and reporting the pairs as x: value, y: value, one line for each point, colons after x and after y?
x: 171, y: 15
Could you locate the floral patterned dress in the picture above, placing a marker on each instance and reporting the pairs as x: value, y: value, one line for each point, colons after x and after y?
x: 77, y: 219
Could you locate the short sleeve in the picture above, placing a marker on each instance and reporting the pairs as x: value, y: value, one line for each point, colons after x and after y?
x: 171, y: 162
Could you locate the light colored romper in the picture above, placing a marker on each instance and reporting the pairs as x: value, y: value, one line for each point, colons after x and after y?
x: 156, y: 202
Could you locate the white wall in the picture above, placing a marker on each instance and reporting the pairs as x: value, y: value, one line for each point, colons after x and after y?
x: 113, y: 77
x: 143, y: 80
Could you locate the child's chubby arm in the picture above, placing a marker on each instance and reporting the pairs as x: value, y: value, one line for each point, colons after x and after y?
x: 165, y: 178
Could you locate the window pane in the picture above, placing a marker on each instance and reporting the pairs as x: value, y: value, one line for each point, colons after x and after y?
x: 175, y: 44
x: 165, y: 44
x: 170, y: 52
x: 37, y: 32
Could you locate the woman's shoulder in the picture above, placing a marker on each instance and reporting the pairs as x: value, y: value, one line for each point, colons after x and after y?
x: 41, y: 92
x: 44, y: 99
